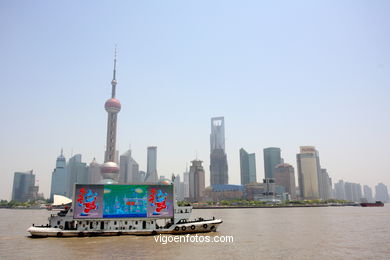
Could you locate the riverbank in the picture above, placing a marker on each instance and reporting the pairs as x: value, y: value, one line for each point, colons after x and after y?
x: 276, y: 206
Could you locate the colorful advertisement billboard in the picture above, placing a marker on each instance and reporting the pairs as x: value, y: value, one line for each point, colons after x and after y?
x: 123, y: 201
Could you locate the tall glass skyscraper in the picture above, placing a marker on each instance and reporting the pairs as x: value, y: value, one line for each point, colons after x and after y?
x: 247, y: 167
x: 307, y: 161
x: 381, y: 193
x: 24, y: 188
x: 151, y: 167
x: 271, y: 159
x: 77, y: 172
x: 58, y: 177
x: 128, y: 169
x: 368, y: 193
x: 218, y: 159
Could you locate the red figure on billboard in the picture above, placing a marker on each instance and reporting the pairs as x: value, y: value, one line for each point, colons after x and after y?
x: 87, y: 199
x: 158, y: 199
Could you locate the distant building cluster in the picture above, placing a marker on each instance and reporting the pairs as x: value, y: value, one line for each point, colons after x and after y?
x: 353, y: 192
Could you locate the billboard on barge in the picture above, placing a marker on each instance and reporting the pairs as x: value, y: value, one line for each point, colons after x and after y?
x: 123, y: 201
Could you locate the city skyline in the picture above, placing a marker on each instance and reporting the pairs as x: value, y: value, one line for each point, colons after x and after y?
x: 271, y: 94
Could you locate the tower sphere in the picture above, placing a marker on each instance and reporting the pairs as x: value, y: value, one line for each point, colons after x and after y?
x: 110, y: 170
x: 165, y: 182
x: 112, y: 105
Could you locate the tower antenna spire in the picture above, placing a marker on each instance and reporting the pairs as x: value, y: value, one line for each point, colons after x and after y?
x: 113, y: 82
x: 114, y: 75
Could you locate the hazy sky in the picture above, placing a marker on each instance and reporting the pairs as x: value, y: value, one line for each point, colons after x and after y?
x: 282, y: 73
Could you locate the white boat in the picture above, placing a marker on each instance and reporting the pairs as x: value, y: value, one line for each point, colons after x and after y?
x: 64, y: 224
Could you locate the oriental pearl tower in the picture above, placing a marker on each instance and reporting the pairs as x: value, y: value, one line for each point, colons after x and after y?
x: 110, y: 170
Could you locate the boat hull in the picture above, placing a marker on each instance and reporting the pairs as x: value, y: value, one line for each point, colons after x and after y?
x: 178, y: 229
x: 371, y: 204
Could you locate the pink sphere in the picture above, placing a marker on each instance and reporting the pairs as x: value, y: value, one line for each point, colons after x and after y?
x: 112, y: 105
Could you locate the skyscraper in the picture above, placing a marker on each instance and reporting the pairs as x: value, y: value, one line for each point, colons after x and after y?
x: 128, y: 169
x: 58, y: 177
x: 325, y: 184
x: 24, y: 188
x: 247, y: 167
x: 271, y: 159
x: 197, y: 181
x: 358, y: 192
x: 353, y: 192
x: 381, y: 193
x: 368, y: 193
x: 94, y: 174
x: 349, y: 191
x: 151, y: 168
x: 77, y: 172
x: 340, y: 190
x: 186, y: 184
x: 307, y: 161
x: 218, y: 159
x: 178, y: 188
x: 110, y: 169
x: 284, y: 176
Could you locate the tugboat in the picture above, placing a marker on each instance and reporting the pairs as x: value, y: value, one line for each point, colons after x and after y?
x: 118, y: 209
x: 376, y: 204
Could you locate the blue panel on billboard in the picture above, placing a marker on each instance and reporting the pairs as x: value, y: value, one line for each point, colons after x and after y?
x: 125, y: 201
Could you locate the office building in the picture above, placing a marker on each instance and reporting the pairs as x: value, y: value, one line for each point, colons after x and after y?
x: 284, y: 176
x: 381, y: 193
x: 247, y: 167
x: 271, y: 159
x: 307, y: 161
x: 94, y: 172
x: 353, y: 192
x: 77, y: 173
x: 128, y: 169
x: 220, y: 192
x: 325, y: 185
x: 368, y: 193
x: 179, y: 188
x: 218, y: 158
x: 339, y: 189
x: 58, y: 177
x: 141, y: 176
x: 196, y: 181
x: 151, y: 168
x: 186, y: 184
x: 24, y: 188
